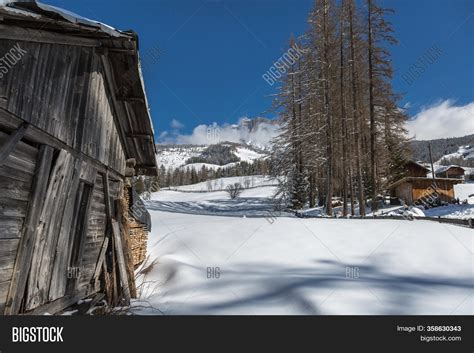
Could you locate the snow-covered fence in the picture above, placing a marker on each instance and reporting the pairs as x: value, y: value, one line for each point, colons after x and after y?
x: 456, y: 221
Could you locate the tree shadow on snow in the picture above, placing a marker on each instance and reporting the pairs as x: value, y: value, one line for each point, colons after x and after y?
x: 328, y: 287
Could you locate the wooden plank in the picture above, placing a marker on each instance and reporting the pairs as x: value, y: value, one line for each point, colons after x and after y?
x: 108, y: 207
x: 41, y: 36
x: 46, y: 242
x: 110, y: 278
x: 6, y: 274
x: 65, y: 239
x: 118, y: 109
x: 10, y: 227
x: 28, y: 239
x: 37, y: 135
x: 8, y: 252
x: 15, y: 137
x: 12, y: 208
x: 121, y: 261
x: 15, y: 189
x: 123, y: 219
x: 22, y: 150
x: 6, y: 171
x: 100, y: 260
x: 4, y: 292
x: 20, y: 165
x: 58, y: 305
x: 80, y: 232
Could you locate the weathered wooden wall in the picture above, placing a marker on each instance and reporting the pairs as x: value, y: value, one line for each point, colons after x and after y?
x: 404, y: 192
x: 423, y: 188
x: 48, y: 223
x: 16, y: 176
x: 61, y: 90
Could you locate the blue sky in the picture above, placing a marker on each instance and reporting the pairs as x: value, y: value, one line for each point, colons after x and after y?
x: 213, y: 53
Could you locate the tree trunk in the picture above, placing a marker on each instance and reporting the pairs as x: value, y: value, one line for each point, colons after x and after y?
x: 373, y: 171
x: 329, y: 163
x: 356, y: 117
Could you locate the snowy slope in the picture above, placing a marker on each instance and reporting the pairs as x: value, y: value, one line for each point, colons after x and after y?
x: 222, y: 183
x: 208, y: 254
x: 176, y: 156
x: 203, y: 264
x: 464, y: 152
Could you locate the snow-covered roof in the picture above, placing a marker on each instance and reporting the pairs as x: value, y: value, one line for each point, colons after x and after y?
x: 122, y: 62
x: 32, y: 8
x: 443, y: 168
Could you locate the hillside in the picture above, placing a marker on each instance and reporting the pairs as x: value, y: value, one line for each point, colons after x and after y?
x: 445, y: 149
x: 215, y: 156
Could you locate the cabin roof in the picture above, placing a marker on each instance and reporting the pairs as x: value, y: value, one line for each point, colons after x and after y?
x: 417, y: 165
x: 411, y: 179
x: 121, y: 66
x: 444, y: 168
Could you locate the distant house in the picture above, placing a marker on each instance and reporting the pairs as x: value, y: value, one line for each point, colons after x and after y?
x: 449, y: 171
x: 415, y: 186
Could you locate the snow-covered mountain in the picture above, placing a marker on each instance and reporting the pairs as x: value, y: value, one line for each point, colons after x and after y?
x: 449, y: 148
x: 215, y: 156
x: 464, y: 153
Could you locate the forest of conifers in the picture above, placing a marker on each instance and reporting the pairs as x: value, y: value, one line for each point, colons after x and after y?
x: 342, y: 129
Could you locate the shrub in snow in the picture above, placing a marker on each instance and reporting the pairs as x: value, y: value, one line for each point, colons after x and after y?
x: 234, y: 190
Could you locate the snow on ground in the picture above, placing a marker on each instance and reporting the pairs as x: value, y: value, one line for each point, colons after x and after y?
x: 202, y: 264
x: 248, y: 155
x: 176, y: 157
x: 464, y: 152
x: 173, y: 157
x: 256, y: 202
x: 198, y: 166
x: 463, y: 191
x: 222, y: 183
x: 451, y: 211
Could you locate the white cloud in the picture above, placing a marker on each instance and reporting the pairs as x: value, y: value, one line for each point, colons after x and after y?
x: 176, y: 124
x: 215, y: 133
x: 442, y: 120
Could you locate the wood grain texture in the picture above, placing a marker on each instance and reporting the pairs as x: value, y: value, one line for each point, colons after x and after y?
x: 32, y: 223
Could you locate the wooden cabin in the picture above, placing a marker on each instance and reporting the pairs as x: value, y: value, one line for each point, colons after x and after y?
x: 416, y: 187
x: 414, y: 169
x: 449, y: 171
x: 74, y: 127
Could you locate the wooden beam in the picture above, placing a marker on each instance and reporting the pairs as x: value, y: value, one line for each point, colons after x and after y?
x: 111, y: 88
x: 37, y: 135
x: 108, y: 207
x: 108, y: 211
x: 131, y: 99
x: 123, y: 51
x: 12, y: 141
x: 139, y: 135
x: 100, y: 260
x: 15, y: 33
x: 58, y: 305
x: 121, y: 261
x: 28, y: 239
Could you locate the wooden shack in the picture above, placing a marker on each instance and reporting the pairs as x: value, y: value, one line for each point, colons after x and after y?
x: 73, y: 111
x: 449, y: 171
x: 415, y: 186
